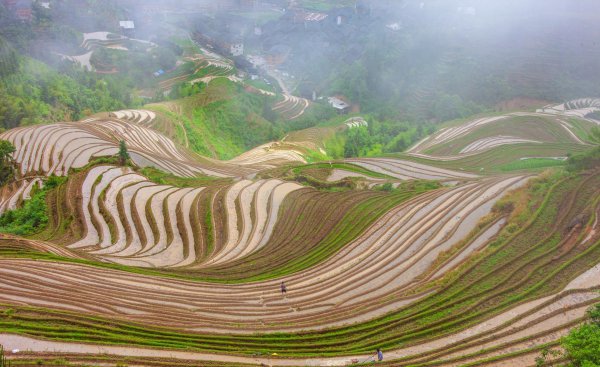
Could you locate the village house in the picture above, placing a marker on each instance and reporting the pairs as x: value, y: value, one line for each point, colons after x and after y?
x: 340, y: 106
x: 127, y: 27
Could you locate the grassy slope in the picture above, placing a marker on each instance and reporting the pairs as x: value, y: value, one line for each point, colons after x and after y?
x: 581, y: 128
x: 222, y: 121
x: 522, y: 264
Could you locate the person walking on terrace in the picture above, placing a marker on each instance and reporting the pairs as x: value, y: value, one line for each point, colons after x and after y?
x: 379, y: 355
x: 283, y: 288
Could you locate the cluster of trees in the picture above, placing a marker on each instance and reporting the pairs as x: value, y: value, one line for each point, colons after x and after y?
x: 28, y: 219
x: 381, y: 137
x: 38, y: 85
x: 33, y: 215
x: 123, y: 153
x: 594, y: 133
x: 393, y: 84
x: 582, y: 345
x: 183, y: 90
x: 89, y: 15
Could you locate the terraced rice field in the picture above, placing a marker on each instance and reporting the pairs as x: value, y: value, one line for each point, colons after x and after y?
x: 220, y: 74
x: 58, y: 148
x: 397, y: 235
x: 271, y: 155
x: 291, y: 107
x: 156, y: 225
x: 480, y: 135
x: 356, y: 122
x: 204, y: 69
x: 486, y: 268
x: 483, y: 320
x: 488, y: 143
x: 491, y: 161
x: 83, y: 60
x: 101, y: 39
x: 142, y: 117
x: 576, y: 108
x: 313, y: 138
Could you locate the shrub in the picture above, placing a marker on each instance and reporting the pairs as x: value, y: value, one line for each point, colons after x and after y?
x: 387, y: 187
x: 32, y: 217
x: 582, y: 345
x: 581, y: 162
x: 504, y: 206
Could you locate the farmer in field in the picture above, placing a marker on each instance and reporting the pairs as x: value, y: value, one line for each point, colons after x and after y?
x: 283, y: 288
x: 379, y: 355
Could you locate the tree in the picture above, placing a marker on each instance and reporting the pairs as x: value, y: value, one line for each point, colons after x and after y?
x: 123, y: 153
x: 357, y: 142
x: 6, y: 161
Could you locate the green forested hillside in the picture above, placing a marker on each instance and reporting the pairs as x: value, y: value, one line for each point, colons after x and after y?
x: 31, y: 92
x: 36, y: 86
x: 436, y: 61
